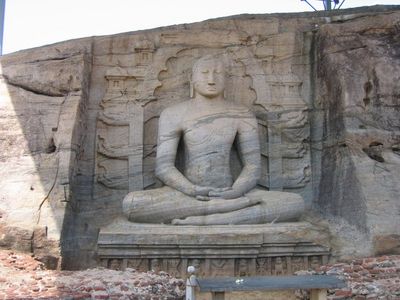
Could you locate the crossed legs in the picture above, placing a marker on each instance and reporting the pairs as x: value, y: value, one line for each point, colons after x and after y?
x: 166, y: 205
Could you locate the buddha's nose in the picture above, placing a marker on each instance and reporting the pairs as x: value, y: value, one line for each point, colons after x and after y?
x: 211, y: 79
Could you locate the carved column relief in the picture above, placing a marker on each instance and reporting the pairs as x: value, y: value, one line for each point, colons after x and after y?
x: 112, y: 130
x: 120, y: 127
x: 279, y: 93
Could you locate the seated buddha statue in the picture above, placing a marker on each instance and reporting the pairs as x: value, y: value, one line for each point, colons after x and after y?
x: 205, y: 191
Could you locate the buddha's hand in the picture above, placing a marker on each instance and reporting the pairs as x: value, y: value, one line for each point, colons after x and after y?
x: 227, y: 194
x: 203, y: 192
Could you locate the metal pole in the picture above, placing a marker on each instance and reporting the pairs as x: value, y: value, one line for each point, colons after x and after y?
x: 328, y: 5
x: 2, y: 10
x: 341, y: 4
x: 310, y: 5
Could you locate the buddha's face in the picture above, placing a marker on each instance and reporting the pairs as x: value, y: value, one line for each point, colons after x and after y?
x: 209, y: 78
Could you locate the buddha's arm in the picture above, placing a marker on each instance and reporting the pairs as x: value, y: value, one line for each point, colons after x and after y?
x: 169, y: 133
x: 249, y: 148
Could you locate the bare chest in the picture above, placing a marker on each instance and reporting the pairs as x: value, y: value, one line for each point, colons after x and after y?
x: 209, y: 132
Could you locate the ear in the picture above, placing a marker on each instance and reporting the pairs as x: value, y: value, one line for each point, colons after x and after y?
x: 191, y: 86
x: 191, y: 89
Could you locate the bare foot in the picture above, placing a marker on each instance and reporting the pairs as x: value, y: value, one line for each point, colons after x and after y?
x: 177, y: 222
x: 187, y: 221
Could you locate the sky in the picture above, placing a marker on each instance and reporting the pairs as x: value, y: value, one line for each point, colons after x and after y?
x: 33, y: 23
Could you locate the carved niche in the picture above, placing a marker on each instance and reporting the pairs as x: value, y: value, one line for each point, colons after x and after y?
x: 261, y: 76
x: 264, y: 74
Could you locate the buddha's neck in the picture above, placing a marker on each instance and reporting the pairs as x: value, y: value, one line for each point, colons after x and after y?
x: 206, y: 100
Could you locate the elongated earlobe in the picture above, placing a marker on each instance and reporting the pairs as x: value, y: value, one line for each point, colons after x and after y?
x: 191, y: 90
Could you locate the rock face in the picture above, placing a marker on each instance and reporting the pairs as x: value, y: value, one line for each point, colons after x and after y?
x: 43, y: 103
x: 357, y: 79
x: 79, y: 120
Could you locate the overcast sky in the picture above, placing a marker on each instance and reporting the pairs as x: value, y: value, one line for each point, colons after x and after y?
x: 32, y: 23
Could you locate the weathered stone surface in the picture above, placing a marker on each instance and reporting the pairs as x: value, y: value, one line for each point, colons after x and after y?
x: 360, y: 129
x: 277, y: 249
x: 387, y: 244
x: 204, y: 191
x: 79, y: 121
x: 43, y: 94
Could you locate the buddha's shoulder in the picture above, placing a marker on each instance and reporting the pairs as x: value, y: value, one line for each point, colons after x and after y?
x: 176, y: 109
x: 180, y: 105
x: 240, y: 109
x: 189, y: 107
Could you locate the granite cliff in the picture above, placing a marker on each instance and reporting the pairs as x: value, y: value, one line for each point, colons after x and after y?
x: 325, y: 87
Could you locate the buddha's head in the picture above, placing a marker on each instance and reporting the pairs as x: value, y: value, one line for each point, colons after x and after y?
x: 208, y: 77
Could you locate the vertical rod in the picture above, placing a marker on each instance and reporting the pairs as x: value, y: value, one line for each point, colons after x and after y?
x: 2, y: 10
x: 328, y: 4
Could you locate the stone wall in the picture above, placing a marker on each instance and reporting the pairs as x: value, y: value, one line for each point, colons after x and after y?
x: 79, y: 121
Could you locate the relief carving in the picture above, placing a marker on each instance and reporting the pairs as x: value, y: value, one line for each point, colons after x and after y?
x: 221, y: 267
x: 115, y: 264
x: 263, y: 266
x: 279, y: 93
x: 245, y: 267
x: 296, y: 178
x: 276, y: 55
x: 144, y: 52
x: 279, y: 267
x: 212, y: 267
x: 156, y: 265
x: 110, y: 178
x: 121, y: 122
x: 315, y: 262
x: 261, y: 80
x: 139, y: 264
x: 200, y: 267
x: 297, y: 264
x: 174, y: 267
x: 207, y: 126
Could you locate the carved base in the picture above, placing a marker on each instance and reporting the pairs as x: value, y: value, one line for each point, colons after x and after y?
x: 245, y: 250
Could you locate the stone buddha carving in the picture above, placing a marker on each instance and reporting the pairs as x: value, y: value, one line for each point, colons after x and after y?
x: 205, y: 192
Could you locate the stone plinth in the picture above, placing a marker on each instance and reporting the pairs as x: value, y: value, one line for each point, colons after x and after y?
x: 272, y: 249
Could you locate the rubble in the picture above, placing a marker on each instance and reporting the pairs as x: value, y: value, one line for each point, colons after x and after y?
x: 367, y: 278
x: 22, y: 277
